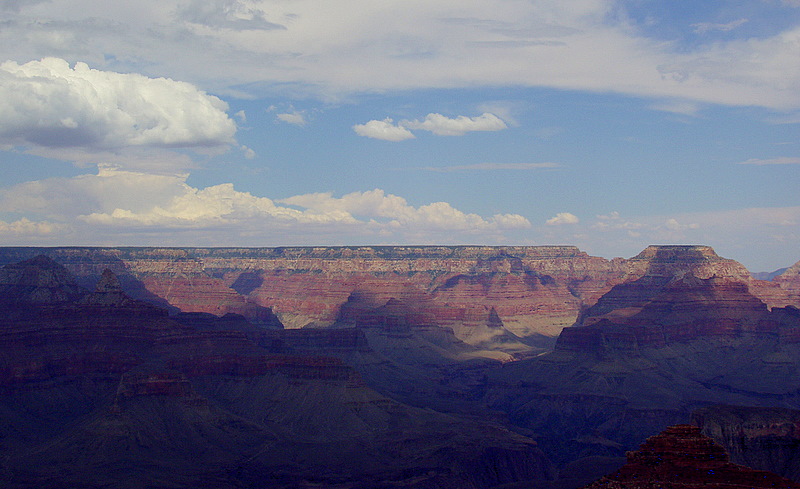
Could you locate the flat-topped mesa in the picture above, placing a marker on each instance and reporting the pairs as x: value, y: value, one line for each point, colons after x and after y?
x: 681, y: 456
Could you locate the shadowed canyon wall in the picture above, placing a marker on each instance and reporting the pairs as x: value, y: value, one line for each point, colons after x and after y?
x: 534, y: 292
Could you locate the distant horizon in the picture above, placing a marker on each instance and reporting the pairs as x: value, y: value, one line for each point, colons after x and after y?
x: 355, y: 246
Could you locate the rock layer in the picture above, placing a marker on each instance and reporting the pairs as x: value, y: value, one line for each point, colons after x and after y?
x: 100, y: 390
x: 534, y: 291
x: 682, y: 457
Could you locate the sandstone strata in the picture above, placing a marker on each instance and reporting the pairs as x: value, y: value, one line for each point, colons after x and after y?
x: 789, y: 281
x: 533, y: 291
x: 682, y: 293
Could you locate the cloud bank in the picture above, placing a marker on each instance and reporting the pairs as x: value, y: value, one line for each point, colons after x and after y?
x: 360, y: 46
x: 160, y: 205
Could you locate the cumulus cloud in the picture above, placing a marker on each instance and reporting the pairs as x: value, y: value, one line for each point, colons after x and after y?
x: 26, y: 228
x: 435, y: 123
x: 784, y: 160
x: 50, y: 104
x: 562, y: 218
x: 296, y: 118
x: 385, y: 130
x: 395, y: 212
x: 248, y: 152
x: 114, y: 200
x: 458, y: 126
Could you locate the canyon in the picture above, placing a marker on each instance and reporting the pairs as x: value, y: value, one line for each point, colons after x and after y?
x: 401, y: 366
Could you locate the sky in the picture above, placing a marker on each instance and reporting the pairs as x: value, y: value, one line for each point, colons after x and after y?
x: 606, y: 124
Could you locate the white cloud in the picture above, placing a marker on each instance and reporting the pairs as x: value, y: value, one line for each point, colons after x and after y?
x: 395, y: 212
x: 296, y: 118
x: 435, y: 123
x: 26, y: 228
x: 458, y: 126
x: 672, y: 224
x: 704, y: 27
x: 385, y: 130
x: 248, y: 152
x: 784, y: 160
x: 359, y: 46
x: 562, y: 218
x: 115, y: 202
x: 49, y: 104
x: 63, y: 199
x: 236, y: 15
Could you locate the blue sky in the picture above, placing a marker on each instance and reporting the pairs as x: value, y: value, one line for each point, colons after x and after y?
x: 610, y: 125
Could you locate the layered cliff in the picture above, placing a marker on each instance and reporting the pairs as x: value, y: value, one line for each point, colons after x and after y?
x: 765, y: 438
x: 100, y: 390
x: 533, y: 291
x: 682, y: 293
x: 682, y: 457
x: 684, y: 330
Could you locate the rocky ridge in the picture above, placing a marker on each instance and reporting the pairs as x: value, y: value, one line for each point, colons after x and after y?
x: 682, y: 457
x: 534, y: 291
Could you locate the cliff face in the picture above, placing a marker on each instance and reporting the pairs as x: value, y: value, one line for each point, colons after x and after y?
x: 789, y: 281
x: 681, y: 456
x: 533, y: 291
x: 684, y: 330
x: 98, y: 389
x: 682, y: 293
x: 759, y: 437
x: 406, y: 343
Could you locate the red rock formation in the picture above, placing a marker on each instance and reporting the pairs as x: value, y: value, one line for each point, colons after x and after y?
x: 682, y: 457
x: 101, y: 390
x: 200, y: 293
x: 789, y: 281
x: 535, y: 291
x: 686, y: 293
